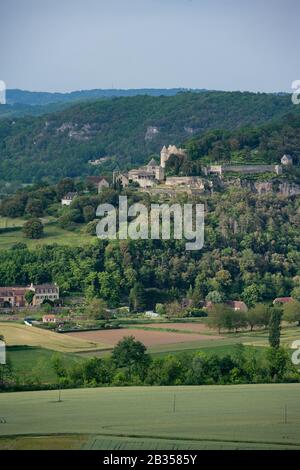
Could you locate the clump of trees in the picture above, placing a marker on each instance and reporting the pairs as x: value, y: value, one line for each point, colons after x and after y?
x: 224, y: 318
x: 33, y: 228
x: 291, y: 312
x: 130, y: 364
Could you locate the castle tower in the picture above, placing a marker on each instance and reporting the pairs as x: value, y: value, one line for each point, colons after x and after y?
x: 159, y: 173
x: 164, y: 155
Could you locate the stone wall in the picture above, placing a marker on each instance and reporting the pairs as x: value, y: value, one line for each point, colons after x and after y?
x: 248, y: 169
x: 243, y: 169
x: 190, y: 181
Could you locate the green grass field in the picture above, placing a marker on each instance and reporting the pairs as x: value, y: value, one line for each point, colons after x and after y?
x: 8, y: 222
x: 220, y: 350
x: 34, y: 364
x: 52, y: 234
x: 239, y: 417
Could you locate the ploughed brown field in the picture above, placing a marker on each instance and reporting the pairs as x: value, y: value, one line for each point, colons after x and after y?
x: 149, y: 338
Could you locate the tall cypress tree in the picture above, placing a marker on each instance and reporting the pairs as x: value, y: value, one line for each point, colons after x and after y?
x: 275, y: 328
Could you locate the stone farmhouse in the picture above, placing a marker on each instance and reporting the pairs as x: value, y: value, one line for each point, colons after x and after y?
x: 44, y: 292
x: 99, y: 182
x: 11, y: 297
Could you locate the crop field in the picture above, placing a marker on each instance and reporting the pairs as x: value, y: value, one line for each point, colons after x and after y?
x: 205, y: 417
x: 194, y: 327
x: 148, y: 337
x: 289, y: 334
x: 20, y: 335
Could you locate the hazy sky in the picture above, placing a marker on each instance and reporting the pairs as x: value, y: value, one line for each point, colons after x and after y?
x: 64, y: 45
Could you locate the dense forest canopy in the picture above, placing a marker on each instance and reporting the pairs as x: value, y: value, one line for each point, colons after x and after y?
x: 128, y: 130
x: 251, y: 252
x: 263, y: 144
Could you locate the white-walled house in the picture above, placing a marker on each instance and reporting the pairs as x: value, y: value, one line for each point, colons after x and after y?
x: 68, y: 199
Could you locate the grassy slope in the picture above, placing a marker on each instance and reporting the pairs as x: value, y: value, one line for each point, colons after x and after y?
x: 52, y: 234
x: 220, y: 349
x: 32, y: 363
x: 213, y: 416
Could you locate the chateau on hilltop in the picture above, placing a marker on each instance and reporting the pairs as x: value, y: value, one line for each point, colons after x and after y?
x: 153, y: 174
x: 150, y: 174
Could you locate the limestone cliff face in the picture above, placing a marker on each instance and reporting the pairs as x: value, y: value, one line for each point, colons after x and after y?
x: 289, y: 189
x: 151, y: 132
x: 264, y: 187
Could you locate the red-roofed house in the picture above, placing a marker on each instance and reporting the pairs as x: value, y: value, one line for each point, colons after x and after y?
x: 237, y: 305
x: 50, y: 319
x: 283, y: 300
x: 15, y: 296
x: 12, y: 297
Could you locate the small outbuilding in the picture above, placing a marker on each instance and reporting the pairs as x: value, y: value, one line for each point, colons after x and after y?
x: 287, y: 160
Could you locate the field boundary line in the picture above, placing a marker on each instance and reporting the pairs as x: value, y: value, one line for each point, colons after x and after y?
x: 164, y: 438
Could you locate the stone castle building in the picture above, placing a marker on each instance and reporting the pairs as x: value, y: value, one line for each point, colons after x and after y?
x: 150, y: 174
x: 146, y: 176
x: 153, y: 173
x: 167, y: 152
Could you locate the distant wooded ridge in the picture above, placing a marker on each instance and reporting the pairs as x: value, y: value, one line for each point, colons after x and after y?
x: 38, y: 98
x: 130, y: 129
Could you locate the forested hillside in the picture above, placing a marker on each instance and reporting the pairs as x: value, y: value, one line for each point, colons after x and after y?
x: 251, y: 252
x: 261, y: 144
x: 266, y: 143
x: 126, y: 129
